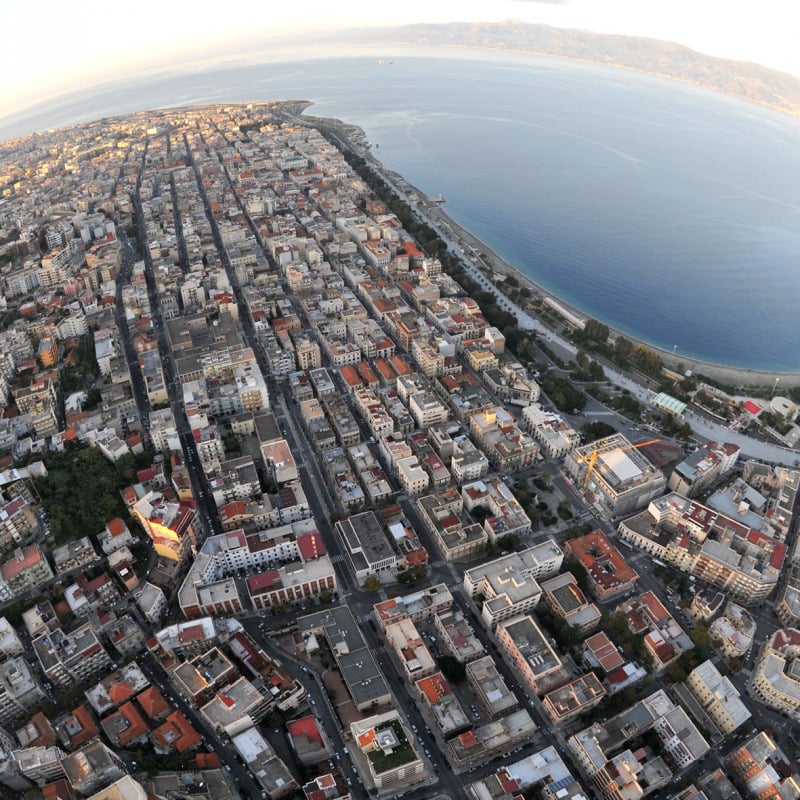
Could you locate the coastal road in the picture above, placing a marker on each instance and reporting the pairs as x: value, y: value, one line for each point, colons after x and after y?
x: 461, y: 242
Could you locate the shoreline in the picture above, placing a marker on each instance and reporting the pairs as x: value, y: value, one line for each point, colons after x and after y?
x: 738, y: 376
x: 355, y: 139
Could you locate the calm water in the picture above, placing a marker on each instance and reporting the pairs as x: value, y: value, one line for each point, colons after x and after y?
x: 670, y: 212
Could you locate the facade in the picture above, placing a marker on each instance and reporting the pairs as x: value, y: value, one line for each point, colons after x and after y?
x: 612, y: 470
x: 742, y: 562
x: 536, y: 661
x: 387, y: 751
x: 718, y: 697
x: 775, y: 680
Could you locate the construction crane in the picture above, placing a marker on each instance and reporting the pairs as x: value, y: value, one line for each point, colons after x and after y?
x: 593, y: 457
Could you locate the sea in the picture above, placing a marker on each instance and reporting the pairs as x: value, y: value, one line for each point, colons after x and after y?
x: 668, y: 211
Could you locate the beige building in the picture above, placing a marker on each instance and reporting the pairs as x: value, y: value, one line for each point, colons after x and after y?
x: 410, y: 651
x: 775, y: 680
x: 385, y: 752
x: 508, y: 584
x: 718, y: 697
x: 532, y: 654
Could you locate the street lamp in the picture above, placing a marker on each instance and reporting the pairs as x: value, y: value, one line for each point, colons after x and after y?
x: 775, y: 386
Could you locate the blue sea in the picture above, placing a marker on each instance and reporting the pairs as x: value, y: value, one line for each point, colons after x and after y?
x: 668, y: 211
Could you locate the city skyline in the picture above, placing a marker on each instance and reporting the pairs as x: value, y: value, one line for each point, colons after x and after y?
x: 80, y: 51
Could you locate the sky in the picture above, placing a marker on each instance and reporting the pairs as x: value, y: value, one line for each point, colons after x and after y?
x: 51, y: 48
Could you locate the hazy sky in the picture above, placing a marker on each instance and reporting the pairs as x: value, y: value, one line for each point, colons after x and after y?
x: 50, y: 48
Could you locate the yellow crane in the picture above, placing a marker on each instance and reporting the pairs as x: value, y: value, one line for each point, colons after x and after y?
x: 593, y: 457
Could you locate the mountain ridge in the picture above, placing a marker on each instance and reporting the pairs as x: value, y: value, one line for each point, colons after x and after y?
x: 743, y: 79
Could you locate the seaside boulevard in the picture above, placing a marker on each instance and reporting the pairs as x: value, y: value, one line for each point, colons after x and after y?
x: 458, y: 240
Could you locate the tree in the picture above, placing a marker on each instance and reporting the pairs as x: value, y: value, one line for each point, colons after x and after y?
x: 593, y: 431
x: 371, y: 584
x: 623, y: 349
x: 596, y: 330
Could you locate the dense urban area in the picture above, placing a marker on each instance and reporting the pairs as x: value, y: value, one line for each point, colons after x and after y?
x: 301, y: 498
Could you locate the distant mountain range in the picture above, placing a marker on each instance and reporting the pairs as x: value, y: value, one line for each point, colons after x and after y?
x: 737, y: 78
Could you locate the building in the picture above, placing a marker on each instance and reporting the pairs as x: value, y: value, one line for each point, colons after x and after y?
x: 387, y: 750
x: 492, y: 691
x: 509, y: 584
x: 507, y: 447
x: 554, y: 435
x: 616, y: 772
x: 293, y: 582
x: 506, y: 516
x: 620, y: 478
x: 93, y: 767
x: 609, y: 574
x: 169, y: 525
x: 566, y: 600
x: 337, y: 628
x: 309, y: 740
x: 20, y: 691
x: 40, y: 764
x: 27, y: 567
x: 698, y: 471
x: 775, y: 680
x: 718, y: 697
x: 759, y: 769
x: 543, y: 771
x: 573, y: 699
x: 410, y: 651
x: 456, y: 534
x: 422, y: 605
x: 269, y: 770
x: 235, y: 708
x: 366, y: 546
x: 441, y: 703
x: 68, y: 658
x: 537, y: 663
x: 742, y: 562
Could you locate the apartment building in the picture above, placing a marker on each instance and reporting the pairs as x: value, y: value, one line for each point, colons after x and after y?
x: 757, y: 769
x: 456, y: 535
x: 555, y: 436
x: 774, y: 680
x: 742, y: 562
x: 702, y: 468
x: 169, y: 525
x: 718, y: 697
x: 422, y: 605
x: 387, y: 751
x: 410, y: 650
x: 507, y: 447
x: 534, y: 657
x: 573, y: 699
x: 567, y: 602
x: 507, y: 584
x: 68, y: 658
x: 27, y: 568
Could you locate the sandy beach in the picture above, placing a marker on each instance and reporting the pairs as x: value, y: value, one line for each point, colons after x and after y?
x: 355, y: 139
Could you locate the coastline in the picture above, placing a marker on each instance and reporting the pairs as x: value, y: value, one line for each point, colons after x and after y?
x: 738, y: 376
x: 352, y: 137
